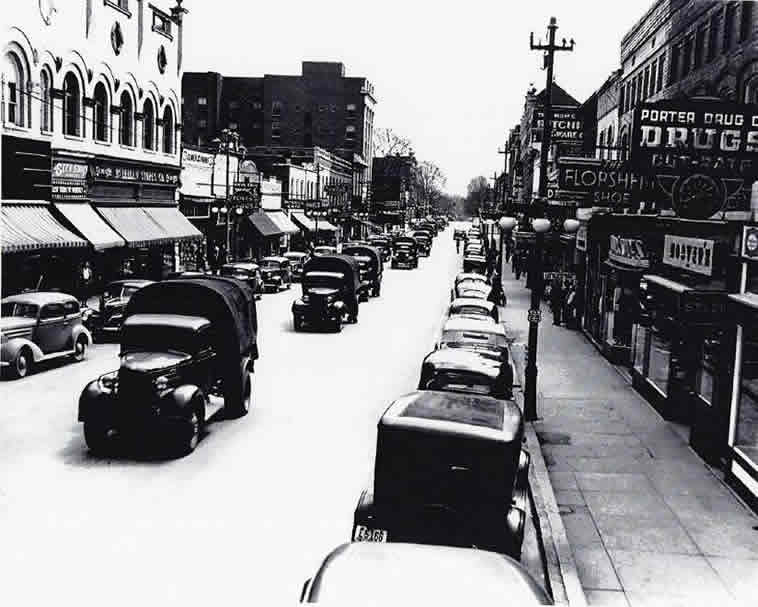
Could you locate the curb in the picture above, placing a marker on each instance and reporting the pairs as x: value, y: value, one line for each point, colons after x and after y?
x: 560, y: 567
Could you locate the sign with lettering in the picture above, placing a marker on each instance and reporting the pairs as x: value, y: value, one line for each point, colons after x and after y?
x: 628, y: 251
x: 565, y: 124
x: 693, y: 254
x: 110, y: 171
x: 197, y: 173
x: 608, y: 183
x: 750, y: 242
x: 69, y: 180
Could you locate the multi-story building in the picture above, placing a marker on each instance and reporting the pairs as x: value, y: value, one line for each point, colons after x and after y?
x: 90, y: 136
x: 392, y: 189
x: 607, y: 118
x: 321, y: 107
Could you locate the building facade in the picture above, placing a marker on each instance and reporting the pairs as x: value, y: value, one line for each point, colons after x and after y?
x: 91, y: 141
x: 392, y: 190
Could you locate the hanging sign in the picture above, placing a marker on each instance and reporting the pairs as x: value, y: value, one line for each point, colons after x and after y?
x: 750, y: 242
x: 69, y: 180
x: 693, y: 254
x: 628, y: 251
x: 581, y: 238
x: 565, y: 124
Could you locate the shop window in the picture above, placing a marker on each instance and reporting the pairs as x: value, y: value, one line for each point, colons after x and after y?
x: 71, y: 104
x: 705, y: 377
x: 126, y: 128
x: 100, y: 130
x: 46, y: 101
x: 161, y: 24
x: 168, y: 131
x: 746, y: 438
x: 148, y: 126
x: 15, y: 85
x: 659, y: 361
x: 640, y: 346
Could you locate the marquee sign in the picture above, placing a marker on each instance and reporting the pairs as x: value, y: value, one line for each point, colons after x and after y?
x: 628, y: 251
x: 692, y: 254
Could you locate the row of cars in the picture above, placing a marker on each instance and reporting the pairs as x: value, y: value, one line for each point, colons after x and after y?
x: 445, y: 516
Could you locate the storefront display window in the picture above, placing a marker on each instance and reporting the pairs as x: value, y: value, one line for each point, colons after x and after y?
x: 746, y: 438
x: 659, y: 361
x: 706, y: 370
x: 641, y: 339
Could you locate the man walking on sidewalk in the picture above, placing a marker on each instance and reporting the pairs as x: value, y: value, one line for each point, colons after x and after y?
x: 557, y: 300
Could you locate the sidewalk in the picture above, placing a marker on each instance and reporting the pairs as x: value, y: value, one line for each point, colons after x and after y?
x: 648, y: 522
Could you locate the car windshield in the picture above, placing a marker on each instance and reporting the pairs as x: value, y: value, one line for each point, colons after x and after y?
x: 24, y: 310
x: 120, y: 291
x: 468, y: 339
x: 331, y: 280
x: 454, y: 381
x: 471, y: 310
x: 150, y: 338
x: 270, y: 264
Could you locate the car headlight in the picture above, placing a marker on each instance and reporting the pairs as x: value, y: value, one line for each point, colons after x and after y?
x: 109, y: 382
x: 160, y: 383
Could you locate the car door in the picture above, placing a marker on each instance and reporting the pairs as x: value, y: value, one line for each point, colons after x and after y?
x: 51, y: 328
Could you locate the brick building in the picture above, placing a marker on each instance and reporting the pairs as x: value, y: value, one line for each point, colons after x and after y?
x: 607, y: 117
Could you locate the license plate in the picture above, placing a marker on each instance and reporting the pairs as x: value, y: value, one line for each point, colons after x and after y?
x: 364, y: 534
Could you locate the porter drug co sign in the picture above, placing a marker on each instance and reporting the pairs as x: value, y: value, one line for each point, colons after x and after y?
x: 693, y: 254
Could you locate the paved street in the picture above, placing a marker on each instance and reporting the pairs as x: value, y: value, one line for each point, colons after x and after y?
x: 249, y: 515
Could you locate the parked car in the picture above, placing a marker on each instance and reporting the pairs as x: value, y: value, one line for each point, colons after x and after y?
x: 467, y: 372
x: 479, y: 335
x: 474, y: 263
x: 404, y: 252
x: 297, y: 261
x: 331, y: 284
x: 106, y: 322
x: 183, y: 343
x: 430, y: 226
x: 424, y: 241
x: 276, y: 273
x: 449, y: 470
x: 459, y: 234
x: 246, y: 271
x: 383, y: 243
x: 468, y: 276
x: 376, y: 573
x: 472, y: 307
x: 325, y: 250
x: 39, y: 326
x: 186, y: 274
x: 371, y: 267
x: 471, y: 288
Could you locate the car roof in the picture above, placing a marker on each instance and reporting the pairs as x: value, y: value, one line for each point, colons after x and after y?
x: 244, y: 265
x: 295, y: 254
x: 407, y: 574
x: 39, y: 298
x: 322, y: 274
x: 458, y: 359
x: 131, y: 282
x: 463, y: 323
x: 179, y: 321
x: 461, y: 276
x: 274, y: 258
x: 472, y: 301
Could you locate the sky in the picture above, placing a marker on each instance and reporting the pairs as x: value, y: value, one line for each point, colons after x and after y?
x: 450, y: 76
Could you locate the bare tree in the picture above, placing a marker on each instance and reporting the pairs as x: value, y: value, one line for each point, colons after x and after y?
x: 388, y: 143
x: 428, y: 185
x: 477, y: 191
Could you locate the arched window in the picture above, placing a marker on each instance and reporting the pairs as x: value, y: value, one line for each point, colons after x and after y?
x: 15, y: 85
x: 100, y: 128
x: 148, y: 126
x: 126, y: 130
x: 46, y: 101
x: 71, y: 104
x: 168, y: 130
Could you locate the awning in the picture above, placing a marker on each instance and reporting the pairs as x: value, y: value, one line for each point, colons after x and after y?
x: 264, y: 225
x: 310, y: 224
x: 174, y: 223
x: 30, y: 225
x: 609, y: 263
x: 84, y: 218
x: 282, y: 221
x: 135, y: 225
x: 666, y: 283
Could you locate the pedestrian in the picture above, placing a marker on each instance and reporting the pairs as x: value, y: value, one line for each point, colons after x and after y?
x: 557, y: 300
x: 569, y: 311
x: 507, y: 240
x: 517, y: 265
x: 85, y: 283
x: 496, y: 295
x: 491, y: 260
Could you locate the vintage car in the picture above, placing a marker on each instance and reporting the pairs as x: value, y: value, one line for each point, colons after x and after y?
x: 276, y: 273
x: 474, y: 263
x: 371, y: 266
x: 106, y: 322
x: 463, y: 276
x: 404, y: 252
x: 331, y: 285
x: 479, y: 335
x: 375, y: 573
x: 474, y: 247
x: 246, y: 271
x: 297, y: 260
x: 429, y: 226
x: 449, y: 470
x: 468, y: 372
x: 424, y: 241
x: 471, y: 288
x: 473, y: 307
x: 383, y: 243
x: 39, y: 326
x: 325, y: 250
x: 188, y: 348
x: 459, y: 234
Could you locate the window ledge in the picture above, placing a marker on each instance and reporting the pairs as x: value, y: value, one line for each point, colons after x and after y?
x: 151, y: 152
x: 12, y: 126
x: 118, y: 8
x: 100, y: 142
x: 73, y: 137
x: 46, y: 133
x: 130, y: 148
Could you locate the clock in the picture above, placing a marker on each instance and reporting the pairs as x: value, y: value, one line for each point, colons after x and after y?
x: 698, y: 196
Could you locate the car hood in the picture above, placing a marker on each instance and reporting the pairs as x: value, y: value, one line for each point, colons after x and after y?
x: 322, y: 291
x: 152, y: 361
x: 8, y: 323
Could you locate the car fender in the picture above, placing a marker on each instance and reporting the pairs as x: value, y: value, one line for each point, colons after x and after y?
x: 182, y: 397
x: 13, y: 346
x: 94, y: 401
x: 81, y: 330
x: 364, y: 511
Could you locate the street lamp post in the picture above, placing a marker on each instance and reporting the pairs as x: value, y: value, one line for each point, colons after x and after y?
x: 228, y: 137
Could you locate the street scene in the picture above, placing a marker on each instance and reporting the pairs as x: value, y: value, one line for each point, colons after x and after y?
x: 321, y: 322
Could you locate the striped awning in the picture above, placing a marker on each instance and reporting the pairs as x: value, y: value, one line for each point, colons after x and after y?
x: 264, y: 225
x: 134, y: 225
x: 30, y: 225
x: 283, y: 222
x: 310, y: 224
x: 90, y: 225
x: 174, y: 223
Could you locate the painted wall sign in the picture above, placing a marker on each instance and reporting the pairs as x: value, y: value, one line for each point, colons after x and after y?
x: 693, y: 254
x: 628, y: 251
x: 110, y: 171
x: 565, y: 124
x: 750, y: 242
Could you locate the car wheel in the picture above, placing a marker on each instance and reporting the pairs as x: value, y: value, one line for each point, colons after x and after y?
x: 80, y: 349
x: 190, y: 434
x: 23, y: 363
x: 98, y: 437
x: 241, y: 407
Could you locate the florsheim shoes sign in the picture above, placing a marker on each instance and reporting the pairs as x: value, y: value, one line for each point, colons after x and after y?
x: 702, y: 153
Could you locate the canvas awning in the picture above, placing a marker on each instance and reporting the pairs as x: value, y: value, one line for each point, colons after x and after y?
x: 174, y: 223
x: 283, y: 222
x: 264, y: 225
x: 135, y: 225
x: 86, y: 220
x: 30, y: 225
x: 310, y: 224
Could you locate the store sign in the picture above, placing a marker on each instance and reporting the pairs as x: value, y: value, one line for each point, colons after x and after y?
x: 607, y: 182
x: 692, y: 254
x: 565, y: 124
x: 196, y: 158
x: 628, y: 251
x: 750, y: 242
x: 69, y: 180
x: 109, y: 171
x: 581, y: 238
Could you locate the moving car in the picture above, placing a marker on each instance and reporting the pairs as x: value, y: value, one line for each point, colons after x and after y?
x: 404, y: 252
x: 246, y: 271
x: 472, y: 307
x: 183, y: 343
x: 331, y: 284
x: 466, y: 371
x: 374, y: 573
x: 424, y: 241
x: 449, y: 470
x: 106, y: 322
x: 482, y: 336
x: 474, y: 263
x: 276, y: 273
x: 297, y: 260
x: 39, y: 326
x: 371, y: 267
x: 325, y: 250
x: 383, y: 243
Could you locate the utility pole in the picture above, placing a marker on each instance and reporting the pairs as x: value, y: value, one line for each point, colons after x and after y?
x: 535, y: 269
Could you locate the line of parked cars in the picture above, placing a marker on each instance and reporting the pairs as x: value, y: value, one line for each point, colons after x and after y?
x: 450, y: 479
